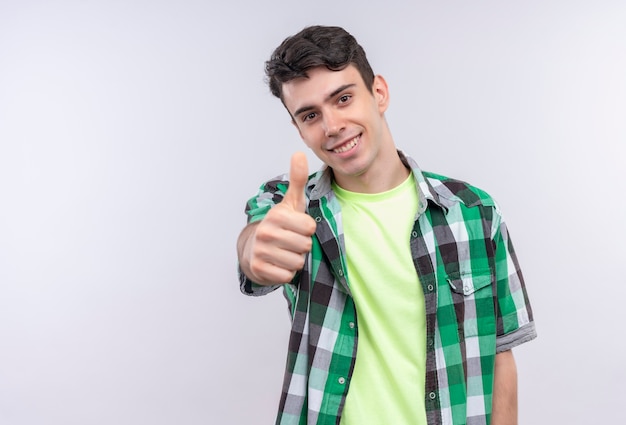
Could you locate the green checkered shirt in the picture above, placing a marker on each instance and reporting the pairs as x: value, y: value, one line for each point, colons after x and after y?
x: 475, y: 298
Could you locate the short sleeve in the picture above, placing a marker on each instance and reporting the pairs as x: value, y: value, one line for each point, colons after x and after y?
x: 515, y: 324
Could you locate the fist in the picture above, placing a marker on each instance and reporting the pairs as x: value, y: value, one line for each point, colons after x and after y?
x: 276, y: 249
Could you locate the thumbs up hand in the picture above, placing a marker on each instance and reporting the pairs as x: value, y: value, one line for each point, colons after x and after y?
x: 273, y: 250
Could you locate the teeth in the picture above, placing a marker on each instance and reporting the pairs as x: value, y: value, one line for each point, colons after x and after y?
x: 352, y: 143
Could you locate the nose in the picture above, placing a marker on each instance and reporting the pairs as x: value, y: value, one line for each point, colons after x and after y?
x: 333, y: 124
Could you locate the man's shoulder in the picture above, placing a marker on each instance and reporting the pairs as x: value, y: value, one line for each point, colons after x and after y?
x: 458, y: 190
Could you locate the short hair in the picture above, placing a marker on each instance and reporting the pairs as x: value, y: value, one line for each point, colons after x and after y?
x: 315, y: 46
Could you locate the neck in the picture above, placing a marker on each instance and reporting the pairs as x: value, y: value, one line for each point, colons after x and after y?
x: 386, y: 173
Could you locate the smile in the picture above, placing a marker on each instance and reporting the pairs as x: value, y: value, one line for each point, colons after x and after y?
x: 346, y: 147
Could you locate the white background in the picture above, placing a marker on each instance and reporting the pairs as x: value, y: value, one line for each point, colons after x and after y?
x: 133, y: 132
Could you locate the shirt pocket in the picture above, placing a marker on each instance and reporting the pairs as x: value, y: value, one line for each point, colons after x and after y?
x: 473, y: 299
x: 468, y: 283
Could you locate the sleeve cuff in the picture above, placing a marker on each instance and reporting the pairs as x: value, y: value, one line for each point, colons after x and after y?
x: 250, y: 288
x: 524, y: 334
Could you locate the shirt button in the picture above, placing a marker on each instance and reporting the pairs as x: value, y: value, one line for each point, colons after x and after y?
x: 430, y: 342
x: 340, y: 272
x: 318, y: 218
x: 341, y: 380
x: 351, y: 325
x: 431, y: 287
x: 432, y: 395
x: 414, y: 234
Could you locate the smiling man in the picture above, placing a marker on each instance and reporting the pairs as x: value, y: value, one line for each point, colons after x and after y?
x: 405, y: 292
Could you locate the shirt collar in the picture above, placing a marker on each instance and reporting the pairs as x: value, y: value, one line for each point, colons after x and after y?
x: 320, y: 184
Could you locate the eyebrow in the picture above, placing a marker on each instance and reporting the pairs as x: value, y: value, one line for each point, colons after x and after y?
x: 330, y: 96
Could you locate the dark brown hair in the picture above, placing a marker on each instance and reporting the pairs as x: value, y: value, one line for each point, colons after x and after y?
x: 331, y: 47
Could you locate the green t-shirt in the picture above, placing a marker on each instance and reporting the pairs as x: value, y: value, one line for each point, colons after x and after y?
x: 388, y: 384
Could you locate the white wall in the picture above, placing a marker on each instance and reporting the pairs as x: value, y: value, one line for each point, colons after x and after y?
x: 133, y: 132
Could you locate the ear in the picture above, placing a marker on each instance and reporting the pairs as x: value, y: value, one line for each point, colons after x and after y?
x: 380, y: 90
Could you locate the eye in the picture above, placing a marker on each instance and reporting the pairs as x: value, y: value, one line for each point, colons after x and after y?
x: 309, y: 116
x: 344, y: 98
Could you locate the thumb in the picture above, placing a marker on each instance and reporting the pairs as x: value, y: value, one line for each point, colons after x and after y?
x: 298, y: 176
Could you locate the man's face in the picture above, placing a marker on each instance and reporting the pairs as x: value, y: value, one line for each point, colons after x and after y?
x: 341, y: 120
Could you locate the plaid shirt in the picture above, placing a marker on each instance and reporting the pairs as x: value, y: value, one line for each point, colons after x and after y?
x: 475, y: 298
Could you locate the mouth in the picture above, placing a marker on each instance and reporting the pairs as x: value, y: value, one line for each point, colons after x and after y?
x: 348, y: 145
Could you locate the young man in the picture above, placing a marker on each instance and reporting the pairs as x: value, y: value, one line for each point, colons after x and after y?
x: 404, y: 288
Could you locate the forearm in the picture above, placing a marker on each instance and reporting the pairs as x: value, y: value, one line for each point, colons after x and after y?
x: 505, y: 390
